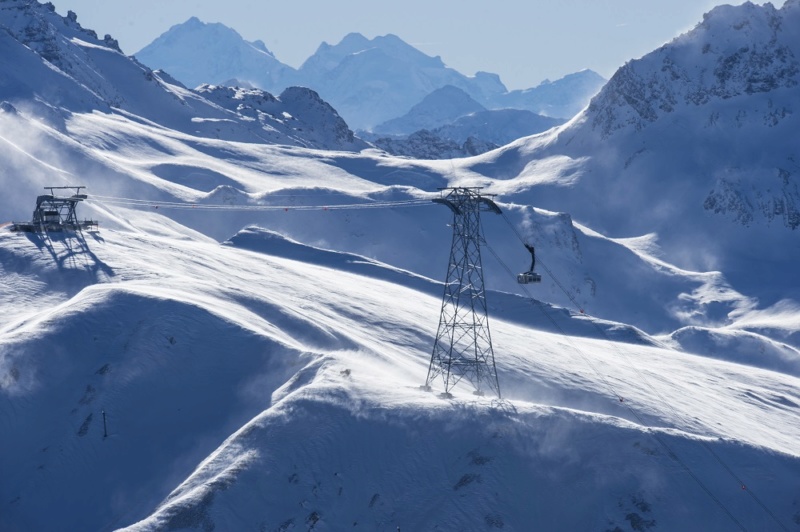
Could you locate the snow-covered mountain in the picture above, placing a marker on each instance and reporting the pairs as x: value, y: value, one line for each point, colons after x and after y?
x: 452, y: 114
x: 196, y: 52
x: 562, y: 98
x: 368, y: 81
x: 184, y: 369
x: 449, y: 123
x: 442, y: 106
x: 298, y: 114
x: 694, y: 144
x: 424, y: 144
x: 499, y: 126
x: 53, y: 67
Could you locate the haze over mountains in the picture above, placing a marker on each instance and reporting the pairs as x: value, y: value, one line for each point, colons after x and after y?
x: 241, y: 345
x: 368, y: 81
x: 456, y: 112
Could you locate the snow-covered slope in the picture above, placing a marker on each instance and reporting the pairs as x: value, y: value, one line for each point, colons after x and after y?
x: 196, y: 52
x: 185, y: 385
x: 118, y: 155
x: 152, y: 165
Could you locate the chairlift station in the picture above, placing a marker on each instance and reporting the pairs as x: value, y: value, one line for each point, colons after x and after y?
x: 57, y: 213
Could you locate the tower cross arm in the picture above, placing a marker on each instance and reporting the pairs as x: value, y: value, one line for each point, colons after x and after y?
x: 449, y: 203
x: 490, y: 205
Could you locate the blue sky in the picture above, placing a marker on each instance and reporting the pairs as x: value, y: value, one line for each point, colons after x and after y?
x: 524, y: 41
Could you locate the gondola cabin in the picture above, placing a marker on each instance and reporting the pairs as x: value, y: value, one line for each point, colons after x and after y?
x: 529, y: 277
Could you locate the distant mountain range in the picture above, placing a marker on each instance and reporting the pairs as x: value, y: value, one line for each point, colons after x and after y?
x: 368, y: 81
x: 449, y: 118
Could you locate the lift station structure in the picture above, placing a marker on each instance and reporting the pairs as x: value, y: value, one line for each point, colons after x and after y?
x: 463, y: 345
x: 57, y: 213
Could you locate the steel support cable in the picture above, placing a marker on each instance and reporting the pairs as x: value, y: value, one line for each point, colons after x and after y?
x: 140, y: 200
x: 133, y: 202
x: 646, y: 381
x: 672, y: 454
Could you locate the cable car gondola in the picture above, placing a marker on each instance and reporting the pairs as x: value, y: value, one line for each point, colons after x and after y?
x: 530, y: 276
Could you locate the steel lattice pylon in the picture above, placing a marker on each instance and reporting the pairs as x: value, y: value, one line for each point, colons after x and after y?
x: 463, y: 345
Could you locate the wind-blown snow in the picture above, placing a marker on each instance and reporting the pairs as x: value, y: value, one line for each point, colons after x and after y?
x: 323, y: 359
x: 201, y: 368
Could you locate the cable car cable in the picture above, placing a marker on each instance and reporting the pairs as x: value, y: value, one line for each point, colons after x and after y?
x: 133, y: 202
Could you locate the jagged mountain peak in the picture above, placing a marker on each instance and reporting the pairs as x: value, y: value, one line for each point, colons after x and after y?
x: 368, y: 80
x: 198, y: 30
x: 734, y: 51
x: 327, y: 57
x: 38, y: 26
x: 183, y: 52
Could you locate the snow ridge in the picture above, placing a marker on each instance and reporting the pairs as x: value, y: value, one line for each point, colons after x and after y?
x: 298, y: 114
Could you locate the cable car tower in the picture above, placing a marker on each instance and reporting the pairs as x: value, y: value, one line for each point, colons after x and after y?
x: 463, y: 345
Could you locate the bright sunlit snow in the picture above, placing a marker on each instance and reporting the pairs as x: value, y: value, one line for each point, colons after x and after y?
x: 242, y: 343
